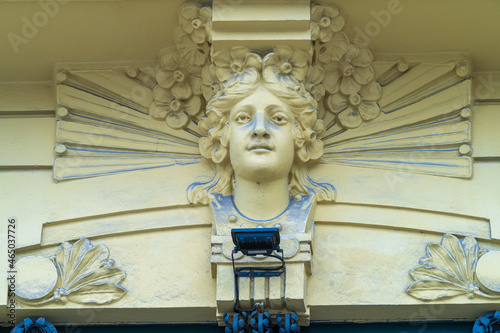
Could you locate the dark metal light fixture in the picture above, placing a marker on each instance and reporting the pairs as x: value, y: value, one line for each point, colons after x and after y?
x: 253, y: 242
x: 256, y: 240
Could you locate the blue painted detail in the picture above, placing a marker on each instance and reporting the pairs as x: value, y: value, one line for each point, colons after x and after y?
x: 332, y: 135
x: 125, y: 170
x: 209, y: 185
x: 40, y: 325
x: 387, y: 152
x: 449, y: 119
x: 403, y: 162
x: 193, y: 133
x: 107, y: 99
x: 112, y: 101
x: 164, y: 138
x: 487, y: 323
x: 288, y: 322
x: 138, y: 153
x: 294, y: 219
x: 389, y: 133
x: 325, y: 186
x: 413, y: 327
x: 237, y: 323
x: 145, y: 132
x: 407, y: 128
x: 373, y: 143
x: 260, y: 322
x: 420, y: 136
x: 426, y: 96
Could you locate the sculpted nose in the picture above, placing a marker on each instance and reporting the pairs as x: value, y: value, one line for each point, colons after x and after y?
x: 260, y: 130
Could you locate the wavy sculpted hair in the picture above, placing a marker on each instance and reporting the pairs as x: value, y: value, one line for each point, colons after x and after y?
x: 215, y: 126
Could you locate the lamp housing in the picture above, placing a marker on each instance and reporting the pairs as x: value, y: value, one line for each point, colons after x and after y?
x: 255, y: 241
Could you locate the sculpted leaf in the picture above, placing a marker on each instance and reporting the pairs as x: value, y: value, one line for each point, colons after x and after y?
x: 434, y: 289
x: 90, y: 261
x: 97, y: 293
x: 453, y: 245
x: 103, y: 275
x: 471, y: 252
x: 426, y: 273
x: 438, y: 256
x: 69, y: 256
x: 62, y: 260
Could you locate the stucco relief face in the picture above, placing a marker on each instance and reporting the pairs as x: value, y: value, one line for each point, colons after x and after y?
x: 261, y: 146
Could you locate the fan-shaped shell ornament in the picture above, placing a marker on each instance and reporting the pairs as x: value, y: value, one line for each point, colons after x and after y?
x: 448, y: 270
x: 85, y: 275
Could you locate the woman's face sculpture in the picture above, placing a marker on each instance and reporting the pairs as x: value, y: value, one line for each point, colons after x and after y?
x: 262, y: 127
x: 261, y: 144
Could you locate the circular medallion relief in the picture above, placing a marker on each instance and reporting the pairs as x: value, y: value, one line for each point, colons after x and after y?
x: 290, y: 246
x: 36, y: 277
x: 487, y: 271
x: 227, y: 249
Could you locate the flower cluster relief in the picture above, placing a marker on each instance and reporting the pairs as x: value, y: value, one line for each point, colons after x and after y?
x: 349, y: 79
x: 336, y: 72
x: 177, y: 97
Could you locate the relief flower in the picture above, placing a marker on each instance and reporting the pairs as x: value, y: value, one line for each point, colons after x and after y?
x: 351, y: 72
x: 177, y: 113
x: 180, y: 112
x: 306, y: 136
x: 235, y: 61
x: 195, y: 54
x: 210, y: 81
x: 178, y: 75
x: 353, y: 109
x: 161, y: 101
x: 196, y: 21
x: 333, y: 50
x: 312, y: 81
x: 215, y: 142
x: 325, y: 22
x: 288, y: 61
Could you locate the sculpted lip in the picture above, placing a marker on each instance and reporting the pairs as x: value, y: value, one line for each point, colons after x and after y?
x: 260, y: 146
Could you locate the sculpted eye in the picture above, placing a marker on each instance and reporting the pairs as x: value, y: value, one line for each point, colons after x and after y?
x: 280, y: 118
x: 242, y: 118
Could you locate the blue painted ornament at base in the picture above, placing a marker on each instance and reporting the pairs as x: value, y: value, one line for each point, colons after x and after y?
x: 288, y: 322
x: 235, y: 323
x: 29, y: 326
x: 260, y: 322
x: 488, y: 323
